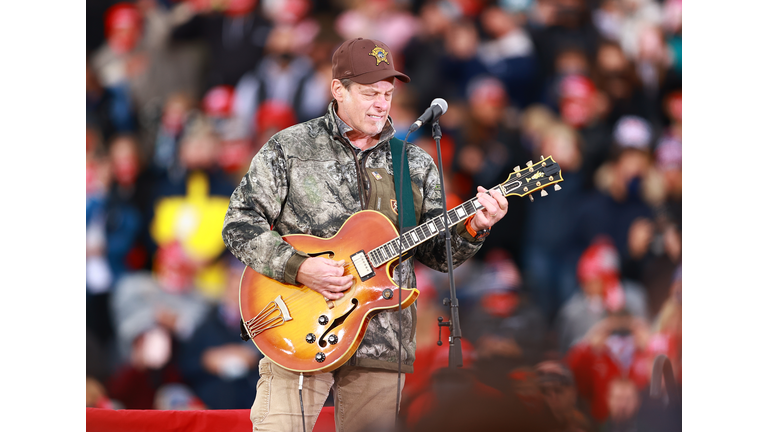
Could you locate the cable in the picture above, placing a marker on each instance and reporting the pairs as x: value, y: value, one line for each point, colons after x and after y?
x: 301, y: 401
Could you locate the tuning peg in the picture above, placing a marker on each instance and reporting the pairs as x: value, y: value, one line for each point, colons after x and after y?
x: 517, y: 168
x: 557, y: 187
x: 542, y: 157
x: 544, y: 193
x: 529, y: 163
x: 531, y: 197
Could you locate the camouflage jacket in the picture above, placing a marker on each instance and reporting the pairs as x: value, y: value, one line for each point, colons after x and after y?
x: 309, y: 179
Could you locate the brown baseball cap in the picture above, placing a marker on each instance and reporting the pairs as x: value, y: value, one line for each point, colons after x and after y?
x: 365, y: 61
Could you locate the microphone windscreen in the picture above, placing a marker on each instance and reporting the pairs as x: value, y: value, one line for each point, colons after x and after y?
x: 441, y: 103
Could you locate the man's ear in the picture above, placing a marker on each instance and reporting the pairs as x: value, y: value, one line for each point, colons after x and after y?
x: 337, y: 90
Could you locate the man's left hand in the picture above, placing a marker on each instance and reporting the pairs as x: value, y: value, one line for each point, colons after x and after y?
x: 495, y: 206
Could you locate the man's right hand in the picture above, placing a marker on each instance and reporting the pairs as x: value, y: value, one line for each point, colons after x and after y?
x: 325, y: 276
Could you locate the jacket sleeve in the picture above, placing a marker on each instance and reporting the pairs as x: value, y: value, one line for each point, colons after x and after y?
x: 254, y: 208
x: 432, y: 253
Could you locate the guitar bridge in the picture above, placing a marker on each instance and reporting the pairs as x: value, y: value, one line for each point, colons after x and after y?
x: 274, y: 314
x: 363, y: 267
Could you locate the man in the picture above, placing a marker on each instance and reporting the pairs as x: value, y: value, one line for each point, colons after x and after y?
x: 310, y: 178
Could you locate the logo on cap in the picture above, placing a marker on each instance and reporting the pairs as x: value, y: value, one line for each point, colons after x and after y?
x: 380, y: 55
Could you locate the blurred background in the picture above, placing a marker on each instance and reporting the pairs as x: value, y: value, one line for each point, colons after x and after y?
x: 565, y: 307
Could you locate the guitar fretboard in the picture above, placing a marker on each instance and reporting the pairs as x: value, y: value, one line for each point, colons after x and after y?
x: 420, y: 234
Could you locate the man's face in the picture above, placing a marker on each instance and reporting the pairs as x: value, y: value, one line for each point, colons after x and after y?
x: 365, y: 107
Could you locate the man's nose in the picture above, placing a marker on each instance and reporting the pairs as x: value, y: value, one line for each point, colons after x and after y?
x: 381, y: 102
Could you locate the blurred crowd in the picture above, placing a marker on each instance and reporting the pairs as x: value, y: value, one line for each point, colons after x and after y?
x: 563, y: 310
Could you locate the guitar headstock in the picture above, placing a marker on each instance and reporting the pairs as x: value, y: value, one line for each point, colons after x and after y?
x: 533, y: 177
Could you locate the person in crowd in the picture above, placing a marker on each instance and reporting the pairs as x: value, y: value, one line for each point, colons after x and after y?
x: 489, y: 147
x: 152, y: 364
x: 615, y: 347
x: 114, y: 228
x: 163, y: 134
x: 339, y: 158
x: 655, y: 245
x: 285, y: 75
x: 548, y: 252
x: 139, y: 60
x: 561, y: 24
x: 385, y: 20
x: 164, y: 297
x: 154, y: 312
x: 98, y: 274
x: 236, y: 146
x: 616, y: 75
x: 584, y: 107
x: 602, y: 292
x: 455, y: 401
x: 461, y: 60
x: 422, y: 53
x: 108, y: 110
x: 623, y: 406
x: 558, y: 388
x: 509, y: 55
x: 504, y: 325
x: 219, y: 367
x: 652, y: 61
x: 621, y: 194
x: 667, y: 337
x: 234, y: 33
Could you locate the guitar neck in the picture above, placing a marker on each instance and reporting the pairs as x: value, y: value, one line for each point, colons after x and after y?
x: 521, y: 183
x: 420, y: 234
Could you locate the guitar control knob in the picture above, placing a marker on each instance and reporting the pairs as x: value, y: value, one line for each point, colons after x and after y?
x: 319, y: 357
x: 310, y: 338
x: 323, y: 320
x: 387, y: 294
x: 333, y: 339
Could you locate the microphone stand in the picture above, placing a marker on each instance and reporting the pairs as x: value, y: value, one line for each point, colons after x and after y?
x: 454, y: 339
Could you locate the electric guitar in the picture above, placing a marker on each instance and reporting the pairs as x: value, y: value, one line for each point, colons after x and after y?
x: 300, y: 330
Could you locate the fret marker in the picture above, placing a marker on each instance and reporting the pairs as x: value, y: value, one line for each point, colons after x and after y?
x: 460, y: 211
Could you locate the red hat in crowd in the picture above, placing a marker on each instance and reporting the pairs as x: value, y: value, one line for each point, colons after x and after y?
x: 122, y: 26
x: 274, y: 114
x: 601, y: 262
x: 174, y: 268
x: 219, y: 101
x: 576, y: 95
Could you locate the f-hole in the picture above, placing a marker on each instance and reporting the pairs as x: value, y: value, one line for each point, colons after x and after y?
x: 337, y: 322
x: 330, y: 254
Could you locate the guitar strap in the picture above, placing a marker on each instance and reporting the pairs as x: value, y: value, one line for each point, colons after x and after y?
x: 404, y: 203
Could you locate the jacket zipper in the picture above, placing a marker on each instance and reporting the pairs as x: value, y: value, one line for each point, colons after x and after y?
x: 362, y: 178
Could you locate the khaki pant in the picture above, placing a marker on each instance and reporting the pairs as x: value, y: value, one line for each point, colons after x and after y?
x: 364, y: 399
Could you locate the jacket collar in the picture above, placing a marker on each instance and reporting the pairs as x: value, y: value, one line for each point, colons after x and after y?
x: 338, y: 128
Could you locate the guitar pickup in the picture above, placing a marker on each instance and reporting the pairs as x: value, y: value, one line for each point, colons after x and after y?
x: 363, y: 267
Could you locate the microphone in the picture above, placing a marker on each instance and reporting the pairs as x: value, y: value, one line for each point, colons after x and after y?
x: 439, y: 107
